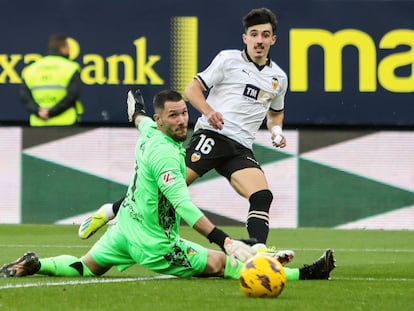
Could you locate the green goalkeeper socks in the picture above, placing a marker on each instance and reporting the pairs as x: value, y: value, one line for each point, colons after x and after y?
x: 292, y: 274
x: 64, y: 265
x: 230, y: 271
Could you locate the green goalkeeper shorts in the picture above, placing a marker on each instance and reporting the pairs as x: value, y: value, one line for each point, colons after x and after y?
x: 184, y: 259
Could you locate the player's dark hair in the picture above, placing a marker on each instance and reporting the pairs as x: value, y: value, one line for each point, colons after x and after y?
x: 56, y: 42
x: 164, y: 96
x: 260, y: 16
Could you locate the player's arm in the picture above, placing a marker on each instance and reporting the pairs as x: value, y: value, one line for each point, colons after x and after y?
x: 72, y: 94
x: 275, y: 124
x: 233, y: 248
x: 194, y: 93
x: 27, y: 99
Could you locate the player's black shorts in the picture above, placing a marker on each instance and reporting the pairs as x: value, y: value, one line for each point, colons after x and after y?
x: 209, y: 150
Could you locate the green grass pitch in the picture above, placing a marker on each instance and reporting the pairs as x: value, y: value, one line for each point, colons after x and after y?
x: 375, y: 271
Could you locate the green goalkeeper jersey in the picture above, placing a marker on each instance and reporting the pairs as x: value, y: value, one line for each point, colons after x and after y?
x: 157, y: 196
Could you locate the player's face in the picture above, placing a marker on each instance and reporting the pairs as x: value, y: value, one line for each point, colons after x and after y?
x: 259, y: 39
x: 173, y: 120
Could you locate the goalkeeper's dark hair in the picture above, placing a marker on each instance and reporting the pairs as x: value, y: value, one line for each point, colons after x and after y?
x: 260, y: 16
x: 164, y: 96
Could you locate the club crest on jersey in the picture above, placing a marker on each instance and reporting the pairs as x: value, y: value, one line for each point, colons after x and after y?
x: 167, y: 178
x: 275, y: 83
x: 251, y: 91
x: 195, y: 156
x: 191, y: 251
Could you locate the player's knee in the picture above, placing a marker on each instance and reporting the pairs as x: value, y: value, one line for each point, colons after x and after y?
x: 216, y: 262
x: 261, y: 200
x: 91, y: 267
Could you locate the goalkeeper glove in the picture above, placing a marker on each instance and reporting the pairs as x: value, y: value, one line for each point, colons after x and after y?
x: 249, y: 241
x: 136, y: 105
x: 237, y: 250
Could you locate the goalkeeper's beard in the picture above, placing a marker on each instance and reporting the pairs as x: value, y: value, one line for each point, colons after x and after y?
x: 178, y: 134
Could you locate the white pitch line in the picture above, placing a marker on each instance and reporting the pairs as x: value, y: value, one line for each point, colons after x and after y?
x: 164, y: 277
x: 89, y: 281
x: 373, y: 279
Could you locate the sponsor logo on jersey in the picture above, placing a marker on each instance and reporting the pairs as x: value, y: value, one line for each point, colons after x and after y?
x: 167, y: 178
x: 251, y: 91
x: 195, y: 156
x: 275, y: 83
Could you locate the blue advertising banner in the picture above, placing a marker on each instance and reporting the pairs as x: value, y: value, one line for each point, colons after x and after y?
x: 350, y: 63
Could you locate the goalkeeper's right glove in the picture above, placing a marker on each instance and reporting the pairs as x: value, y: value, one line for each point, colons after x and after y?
x: 136, y: 105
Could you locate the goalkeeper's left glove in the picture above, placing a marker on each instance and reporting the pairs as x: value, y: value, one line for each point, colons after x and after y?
x: 136, y: 105
x: 237, y: 250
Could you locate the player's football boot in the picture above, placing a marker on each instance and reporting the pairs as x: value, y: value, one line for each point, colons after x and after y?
x: 320, y: 269
x: 93, y: 223
x: 283, y: 256
x: 28, y: 264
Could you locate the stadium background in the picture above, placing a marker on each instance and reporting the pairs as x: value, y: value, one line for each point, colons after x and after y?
x: 349, y: 109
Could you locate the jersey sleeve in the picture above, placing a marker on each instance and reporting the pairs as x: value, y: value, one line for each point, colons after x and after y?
x: 145, y: 125
x: 214, y: 73
x: 278, y: 102
x: 166, y: 165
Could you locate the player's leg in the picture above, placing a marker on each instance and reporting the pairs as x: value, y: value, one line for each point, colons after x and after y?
x: 63, y: 265
x: 216, y: 263
x: 248, y: 180
x: 67, y: 265
x: 319, y: 270
x: 110, y: 250
x: 246, y: 177
x: 209, y: 150
x: 251, y: 183
x: 99, y: 219
x: 219, y: 264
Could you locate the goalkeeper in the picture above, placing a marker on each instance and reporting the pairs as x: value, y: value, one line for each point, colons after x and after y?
x: 147, y: 232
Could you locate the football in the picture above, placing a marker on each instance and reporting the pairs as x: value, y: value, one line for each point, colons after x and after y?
x: 262, y: 276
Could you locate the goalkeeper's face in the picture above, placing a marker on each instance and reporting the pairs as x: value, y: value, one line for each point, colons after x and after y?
x: 173, y: 120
